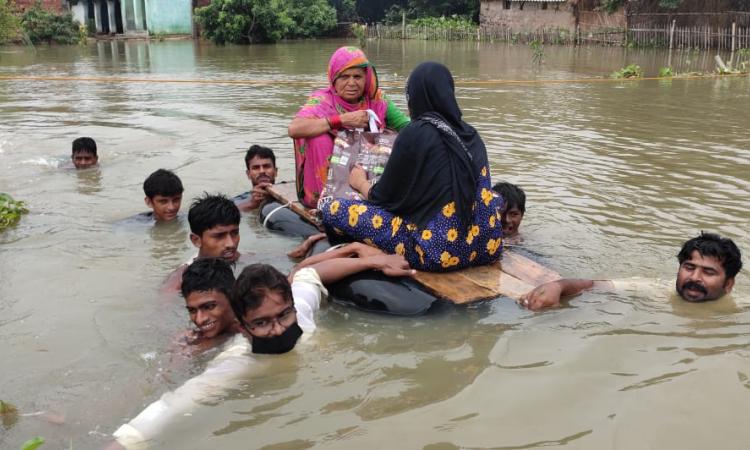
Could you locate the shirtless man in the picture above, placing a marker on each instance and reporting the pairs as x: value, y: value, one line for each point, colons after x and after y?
x: 708, y: 266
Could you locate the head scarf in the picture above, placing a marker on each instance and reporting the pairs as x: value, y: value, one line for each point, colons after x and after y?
x: 312, y: 154
x: 430, y: 93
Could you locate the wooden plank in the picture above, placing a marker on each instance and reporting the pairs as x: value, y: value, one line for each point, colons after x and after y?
x: 514, y: 276
x: 527, y: 270
x: 284, y: 193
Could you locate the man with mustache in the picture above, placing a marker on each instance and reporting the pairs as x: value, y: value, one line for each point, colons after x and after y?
x: 260, y: 164
x: 708, y: 266
x: 261, y: 170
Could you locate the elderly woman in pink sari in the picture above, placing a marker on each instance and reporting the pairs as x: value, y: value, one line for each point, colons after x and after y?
x: 353, y: 89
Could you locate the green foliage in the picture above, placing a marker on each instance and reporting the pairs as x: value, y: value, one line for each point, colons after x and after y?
x: 537, y: 51
x: 360, y: 31
x: 671, y: 4
x: 346, y: 10
x: 9, y: 23
x: 313, y: 18
x: 666, y: 72
x: 41, y: 25
x: 33, y: 444
x: 612, y: 5
x: 253, y: 21
x: 10, y: 213
x: 8, y: 412
x: 629, y: 71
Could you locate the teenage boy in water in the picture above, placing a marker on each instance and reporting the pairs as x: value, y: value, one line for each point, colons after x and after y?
x: 214, y: 230
x: 708, y: 266
x: 163, y: 191
x: 206, y: 286
x: 515, y: 208
x: 276, y: 313
x: 84, y: 153
x: 260, y: 168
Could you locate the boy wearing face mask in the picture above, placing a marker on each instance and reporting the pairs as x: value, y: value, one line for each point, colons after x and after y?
x: 276, y: 313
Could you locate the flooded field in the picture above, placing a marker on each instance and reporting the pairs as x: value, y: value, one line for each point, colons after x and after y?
x: 618, y: 174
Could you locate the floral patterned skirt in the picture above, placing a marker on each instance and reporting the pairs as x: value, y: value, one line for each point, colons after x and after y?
x: 441, y: 246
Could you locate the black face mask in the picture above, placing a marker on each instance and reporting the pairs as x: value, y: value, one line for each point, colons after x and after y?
x: 278, y: 344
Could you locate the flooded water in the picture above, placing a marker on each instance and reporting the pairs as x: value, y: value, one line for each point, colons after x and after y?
x: 618, y: 175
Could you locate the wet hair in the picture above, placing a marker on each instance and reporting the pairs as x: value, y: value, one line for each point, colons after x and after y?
x: 212, y: 210
x: 84, y: 145
x: 263, y: 152
x: 252, y: 286
x: 162, y: 182
x: 713, y: 245
x: 207, y: 274
x: 513, y: 195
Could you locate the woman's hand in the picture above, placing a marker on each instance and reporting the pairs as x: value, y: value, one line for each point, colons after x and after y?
x: 355, y: 119
x: 358, y: 181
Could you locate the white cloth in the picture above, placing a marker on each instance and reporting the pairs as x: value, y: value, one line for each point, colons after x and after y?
x: 225, y: 372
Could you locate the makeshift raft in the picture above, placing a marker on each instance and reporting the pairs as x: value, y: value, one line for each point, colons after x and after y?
x: 511, y: 277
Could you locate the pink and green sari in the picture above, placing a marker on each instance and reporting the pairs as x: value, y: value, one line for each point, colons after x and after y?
x: 311, y: 155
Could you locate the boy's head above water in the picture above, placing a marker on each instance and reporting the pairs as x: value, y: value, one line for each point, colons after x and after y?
x: 84, y: 153
x: 515, y: 207
x: 163, y: 191
x: 262, y: 302
x: 215, y: 227
x: 206, y: 287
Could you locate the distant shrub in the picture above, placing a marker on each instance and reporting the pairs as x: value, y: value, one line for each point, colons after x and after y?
x: 629, y: 71
x: 9, y: 23
x: 42, y: 26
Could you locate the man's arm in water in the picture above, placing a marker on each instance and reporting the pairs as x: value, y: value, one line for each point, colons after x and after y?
x: 548, y: 295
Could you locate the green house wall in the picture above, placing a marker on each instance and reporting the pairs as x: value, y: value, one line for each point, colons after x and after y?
x: 169, y: 16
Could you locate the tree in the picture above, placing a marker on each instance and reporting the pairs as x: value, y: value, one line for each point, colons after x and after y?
x: 312, y: 17
x: 44, y: 26
x: 8, y: 22
x: 252, y: 21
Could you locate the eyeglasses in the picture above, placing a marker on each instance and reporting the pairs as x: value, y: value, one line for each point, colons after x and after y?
x: 265, y: 325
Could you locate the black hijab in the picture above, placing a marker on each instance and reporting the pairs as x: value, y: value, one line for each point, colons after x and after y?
x: 437, y: 158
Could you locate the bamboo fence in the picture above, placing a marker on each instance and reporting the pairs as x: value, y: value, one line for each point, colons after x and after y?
x: 667, y: 36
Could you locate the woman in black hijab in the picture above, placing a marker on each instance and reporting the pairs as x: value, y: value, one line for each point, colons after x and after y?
x: 433, y: 203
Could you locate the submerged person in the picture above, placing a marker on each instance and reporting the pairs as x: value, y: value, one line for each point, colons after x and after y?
x: 214, y: 230
x: 84, y: 154
x: 163, y: 190
x: 261, y: 170
x: 708, y: 266
x: 276, y: 314
x: 514, y: 201
x: 344, y: 103
x: 433, y: 203
x: 206, y: 287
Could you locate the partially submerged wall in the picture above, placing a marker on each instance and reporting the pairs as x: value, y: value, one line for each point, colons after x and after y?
x: 169, y: 16
x: 527, y: 15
